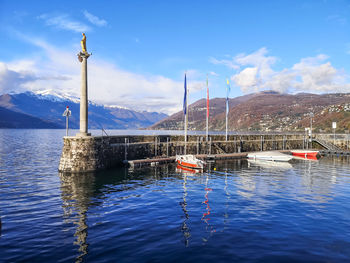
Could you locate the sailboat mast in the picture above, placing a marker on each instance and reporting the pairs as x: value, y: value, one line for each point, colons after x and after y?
x: 226, y: 126
x: 186, y: 123
x: 186, y: 113
x: 207, y: 130
x: 227, y: 106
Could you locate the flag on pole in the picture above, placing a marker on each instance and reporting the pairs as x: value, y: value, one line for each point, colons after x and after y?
x: 185, y: 97
x: 207, y: 98
x: 228, y: 89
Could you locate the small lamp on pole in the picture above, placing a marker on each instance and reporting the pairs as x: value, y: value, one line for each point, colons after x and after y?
x: 67, y: 113
x: 311, y: 116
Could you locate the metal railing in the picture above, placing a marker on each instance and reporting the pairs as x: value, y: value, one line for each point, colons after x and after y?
x: 327, y: 145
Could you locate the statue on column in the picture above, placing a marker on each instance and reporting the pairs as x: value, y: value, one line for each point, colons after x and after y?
x: 83, y: 52
x: 83, y: 44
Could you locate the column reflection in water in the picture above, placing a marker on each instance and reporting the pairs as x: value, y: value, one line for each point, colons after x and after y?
x: 80, y: 192
x: 77, y: 190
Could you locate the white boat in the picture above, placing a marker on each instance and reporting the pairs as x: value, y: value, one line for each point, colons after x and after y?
x: 270, y: 156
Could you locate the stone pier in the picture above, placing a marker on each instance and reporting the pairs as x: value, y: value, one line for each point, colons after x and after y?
x: 91, y: 153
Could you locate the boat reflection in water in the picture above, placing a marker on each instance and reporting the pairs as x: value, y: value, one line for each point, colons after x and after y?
x: 137, y: 215
x: 311, y: 158
x: 209, y: 228
x: 187, y: 171
x: 269, y: 164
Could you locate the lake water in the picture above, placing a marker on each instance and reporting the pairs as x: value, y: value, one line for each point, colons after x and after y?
x: 237, y: 211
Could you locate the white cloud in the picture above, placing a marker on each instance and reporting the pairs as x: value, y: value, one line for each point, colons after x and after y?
x: 247, y: 79
x: 226, y: 62
x: 11, y: 80
x: 314, y: 76
x: 212, y: 73
x: 311, y: 74
x: 281, y: 81
x: 59, y: 70
x: 64, y: 22
x: 94, y: 19
x: 259, y: 60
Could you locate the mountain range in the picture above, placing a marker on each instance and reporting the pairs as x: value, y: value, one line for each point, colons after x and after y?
x: 267, y: 111
x: 44, y: 110
x: 263, y: 111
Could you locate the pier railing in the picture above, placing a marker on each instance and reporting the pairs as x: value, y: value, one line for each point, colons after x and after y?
x: 336, y: 142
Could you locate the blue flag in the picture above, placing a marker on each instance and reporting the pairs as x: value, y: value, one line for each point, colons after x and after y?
x: 185, y: 97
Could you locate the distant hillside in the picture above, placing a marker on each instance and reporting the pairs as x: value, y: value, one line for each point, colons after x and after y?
x: 49, y: 108
x: 267, y: 111
x: 12, y: 119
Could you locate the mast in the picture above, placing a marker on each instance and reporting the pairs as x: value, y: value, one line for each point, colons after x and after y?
x: 227, y: 106
x: 186, y: 123
x: 207, y: 130
x: 226, y: 125
x: 185, y: 112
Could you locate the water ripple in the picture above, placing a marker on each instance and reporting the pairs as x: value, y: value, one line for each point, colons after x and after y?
x: 239, y: 211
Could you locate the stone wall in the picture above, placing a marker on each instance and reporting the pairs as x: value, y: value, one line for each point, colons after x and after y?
x: 83, y: 154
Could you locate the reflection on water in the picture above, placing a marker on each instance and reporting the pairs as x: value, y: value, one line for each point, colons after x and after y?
x: 209, y: 228
x: 279, y: 166
x: 228, y: 193
x: 234, y: 211
x: 77, y: 192
x: 81, y: 191
x: 185, y: 228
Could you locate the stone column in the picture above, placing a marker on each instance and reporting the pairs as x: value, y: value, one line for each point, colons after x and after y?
x: 83, y: 96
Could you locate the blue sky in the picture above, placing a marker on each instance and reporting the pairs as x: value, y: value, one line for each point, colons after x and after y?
x: 141, y: 49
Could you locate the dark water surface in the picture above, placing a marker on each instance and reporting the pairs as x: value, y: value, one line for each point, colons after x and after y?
x: 238, y: 211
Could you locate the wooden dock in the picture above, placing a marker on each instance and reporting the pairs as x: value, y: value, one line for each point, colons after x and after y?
x: 334, y: 152
x: 163, y: 160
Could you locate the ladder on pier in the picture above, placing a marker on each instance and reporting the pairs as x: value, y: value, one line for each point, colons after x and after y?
x: 328, y: 145
x: 220, y: 150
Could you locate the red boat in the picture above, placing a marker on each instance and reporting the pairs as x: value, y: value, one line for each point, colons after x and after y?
x: 305, y: 153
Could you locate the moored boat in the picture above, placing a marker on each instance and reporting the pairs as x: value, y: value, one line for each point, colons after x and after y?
x: 190, y: 161
x: 270, y: 156
x: 305, y: 153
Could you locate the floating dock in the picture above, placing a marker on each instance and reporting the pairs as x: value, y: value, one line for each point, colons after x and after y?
x: 157, y: 161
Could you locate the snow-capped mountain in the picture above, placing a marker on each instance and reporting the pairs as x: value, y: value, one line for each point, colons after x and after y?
x: 50, y: 94
x: 49, y: 105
